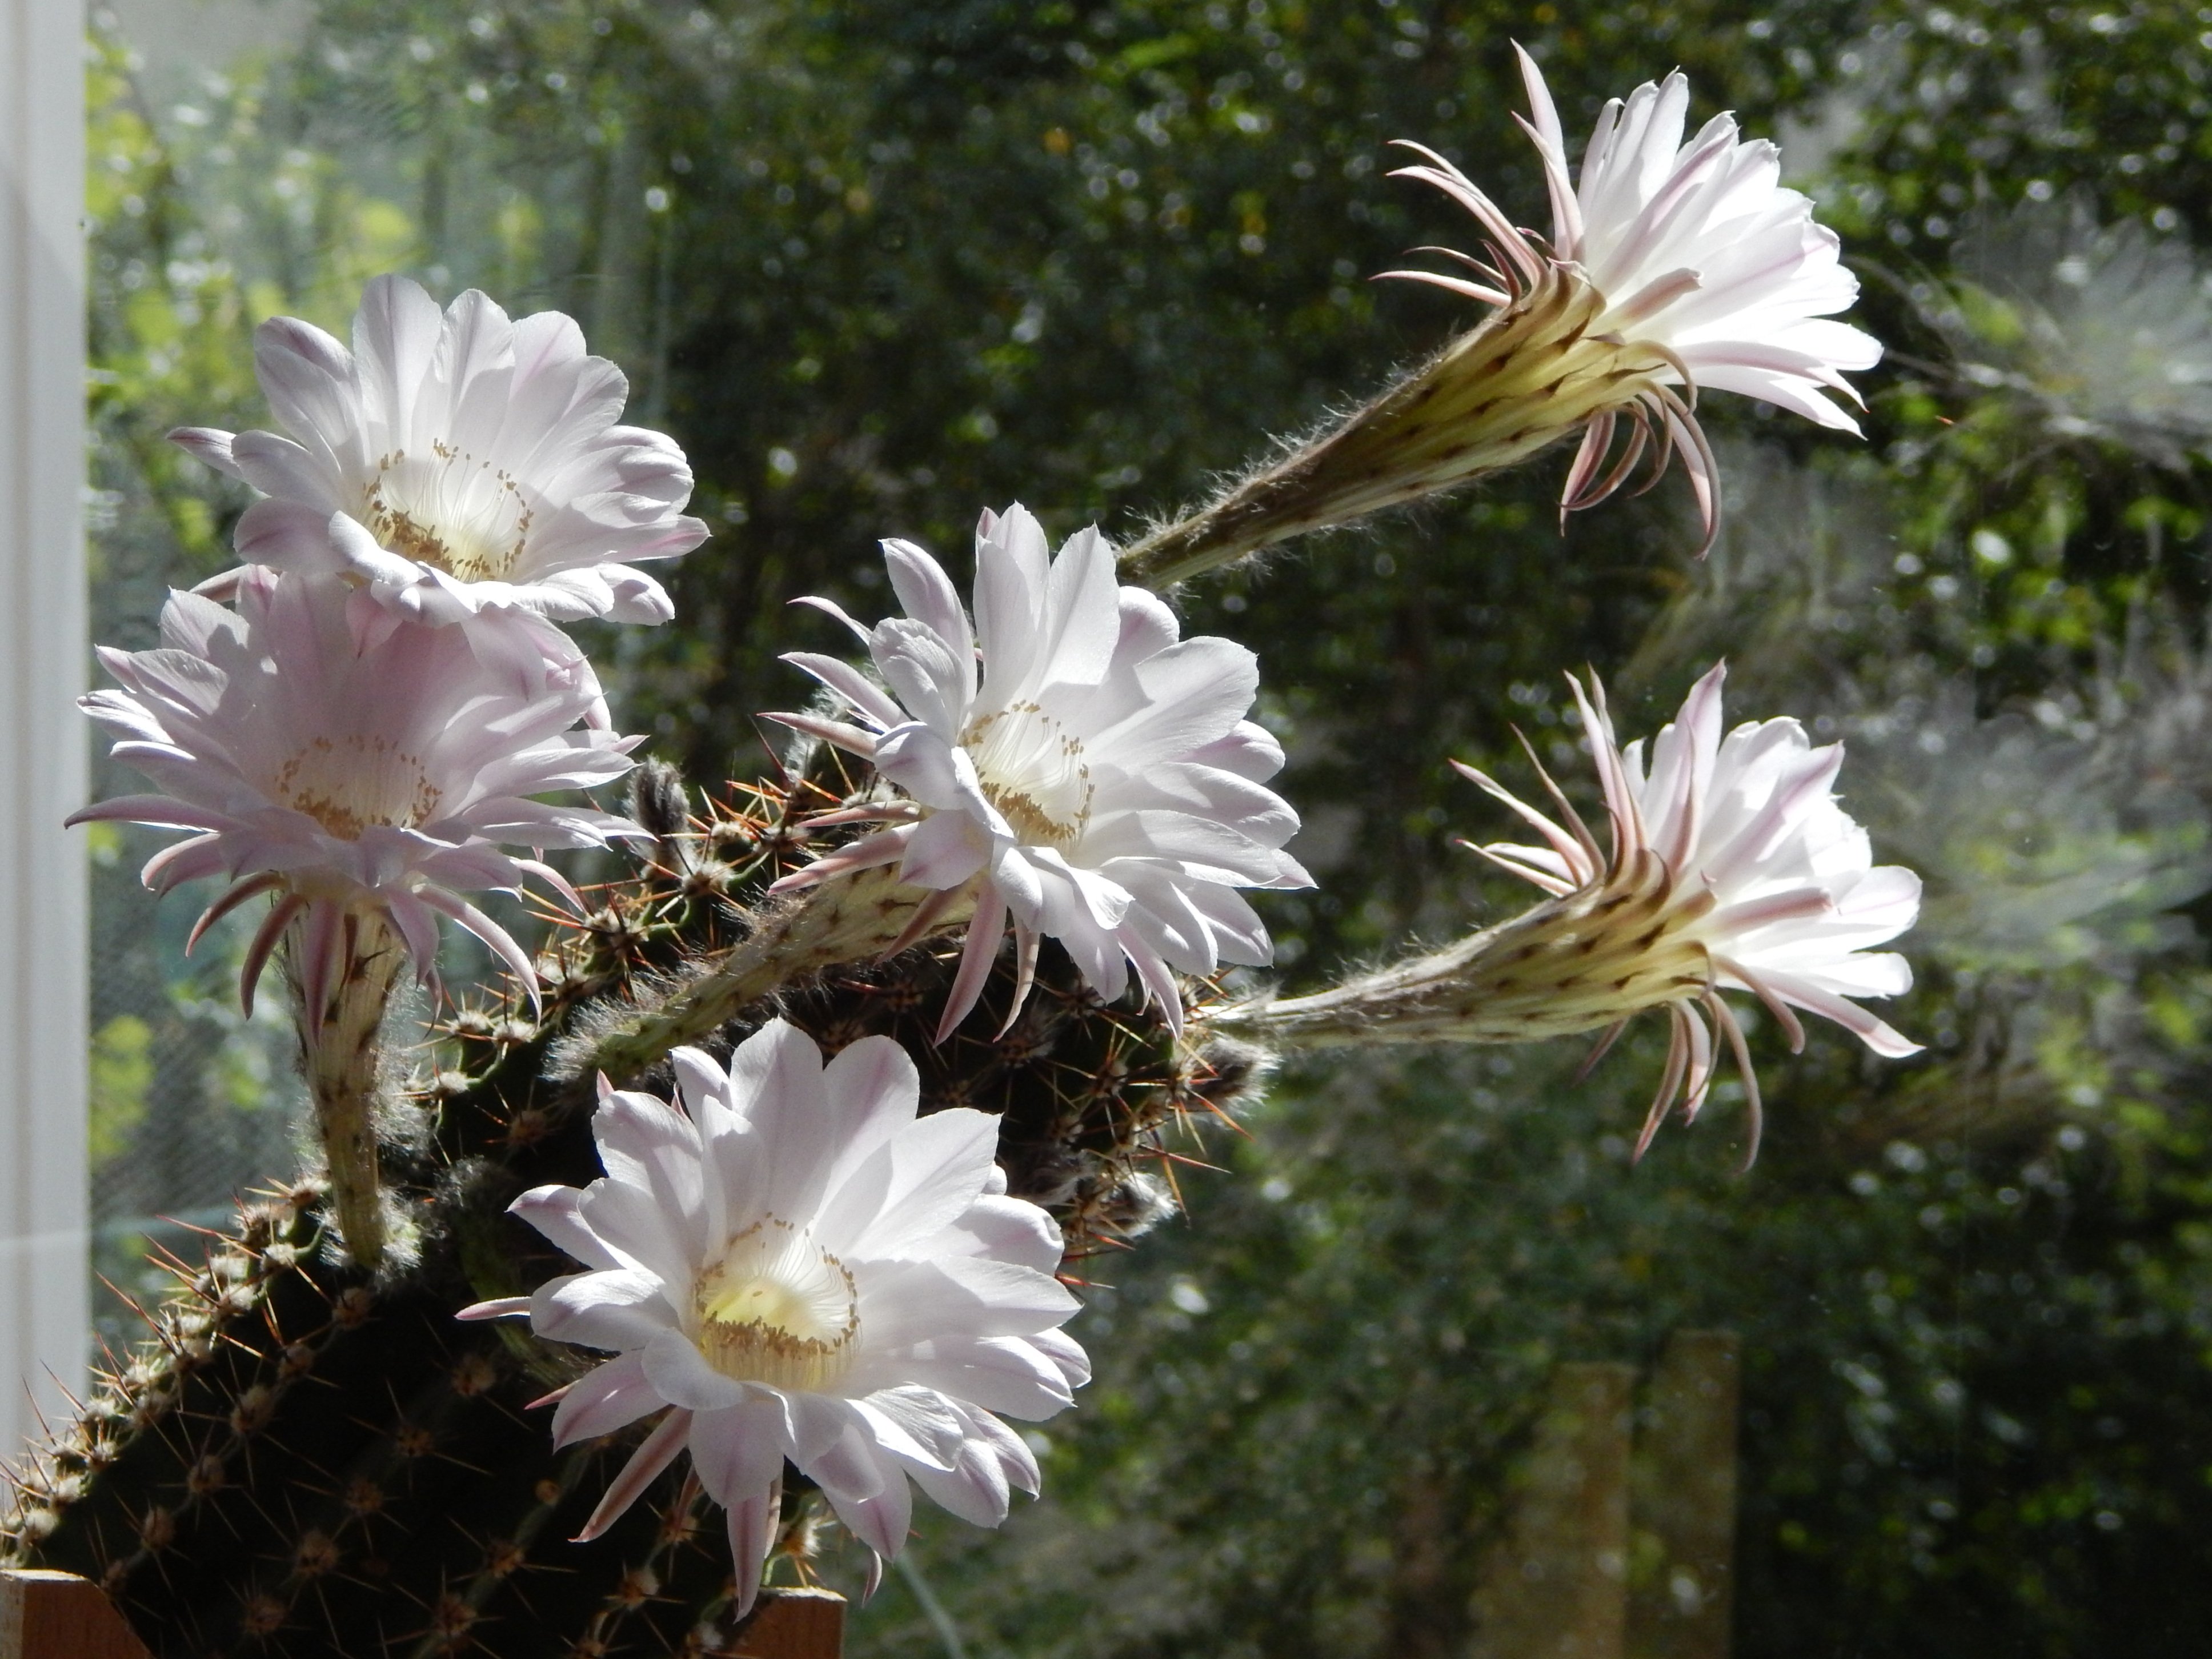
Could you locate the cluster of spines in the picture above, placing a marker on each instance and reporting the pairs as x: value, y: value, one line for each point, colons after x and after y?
x: 358, y: 1475
x: 141, y: 1392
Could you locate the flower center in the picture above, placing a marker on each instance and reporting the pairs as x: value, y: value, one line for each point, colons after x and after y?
x: 347, y: 784
x: 448, y: 510
x: 778, y: 1308
x: 1032, y: 769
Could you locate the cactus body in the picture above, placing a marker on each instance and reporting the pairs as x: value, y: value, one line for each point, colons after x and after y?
x: 309, y: 1458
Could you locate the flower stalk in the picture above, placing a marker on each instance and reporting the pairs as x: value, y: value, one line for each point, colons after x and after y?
x: 341, y: 1021
x: 852, y: 918
x: 1580, y: 962
x: 1535, y: 372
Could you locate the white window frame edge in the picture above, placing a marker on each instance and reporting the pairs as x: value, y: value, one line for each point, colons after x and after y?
x: 44, y: 664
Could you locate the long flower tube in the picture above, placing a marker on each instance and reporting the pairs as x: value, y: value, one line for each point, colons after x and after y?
x: 1671, y: 267
x: 1731, y: 867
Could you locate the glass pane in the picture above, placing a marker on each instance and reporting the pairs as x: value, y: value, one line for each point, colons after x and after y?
x: 1929, y: 1377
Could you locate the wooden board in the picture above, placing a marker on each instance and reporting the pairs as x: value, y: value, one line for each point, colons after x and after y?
x: 59, y: 1615
x: 1556, y: 1586
x: 791, y: 1624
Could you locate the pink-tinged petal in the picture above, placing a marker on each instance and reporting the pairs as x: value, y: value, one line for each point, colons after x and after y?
x: 502, y: 943
x: 395, y: 339
x: 923, y: 672
x: 604, y: 1399
x: 1065, y: 1352
x: 945, y: 850
x: 504, y: 1307
x: 1000, y: 1373
x: 702, y: 1086
x: 921, y: 761
x: 791, y: 1149
x: 866, y: 1489
x: 831, y: 608
x: 1876, y: 1033
x: 1552, y: 147
x: 752, y: 1522
x: 928, y: 596
x: 250, y: 887
x: 675, y: 1367
x: 851, y: 738
x: 866, y: 697
x: 874, y: 1090
x: 914, y: 1423
x: 1006, y: 1228
x: 280, y: 916
x: 933, y: 1170
x: 976, y: 1488
x: 1026, y: 942
x: 977, y: 953
x: 923, y: 1300
x: 556, y: 1211
x: 739, y: 1450
x: 1012, y: 562
x: 158, y: 811
x: 617, y: 1310
x: 660, y: 1448
x: 277, y: 466
x: 1082, y: 611
x: 648, y: 1146
x: 637, y: 597
x: 869, y: 852
x: 309, y: 379
x: 287, y: 536
x: 208, y: 444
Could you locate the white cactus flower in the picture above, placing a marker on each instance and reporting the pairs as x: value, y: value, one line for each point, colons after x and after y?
x: 795, y: 1267
x: 1732, y: 866
x: 348, y: 762
x: 1068, y: 760
x: 454, y: 462
x: 1704, y: 263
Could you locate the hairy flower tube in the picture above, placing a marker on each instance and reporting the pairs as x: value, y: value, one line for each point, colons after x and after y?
x: 1672, y: 267
x: 456, y: 461
x: 364, y: 772
x: 1731, y: 867
x: 1067, y: 760
x: 793, y: 1265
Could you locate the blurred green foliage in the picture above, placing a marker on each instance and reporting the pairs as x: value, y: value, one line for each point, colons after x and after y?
x: 879, y: 265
